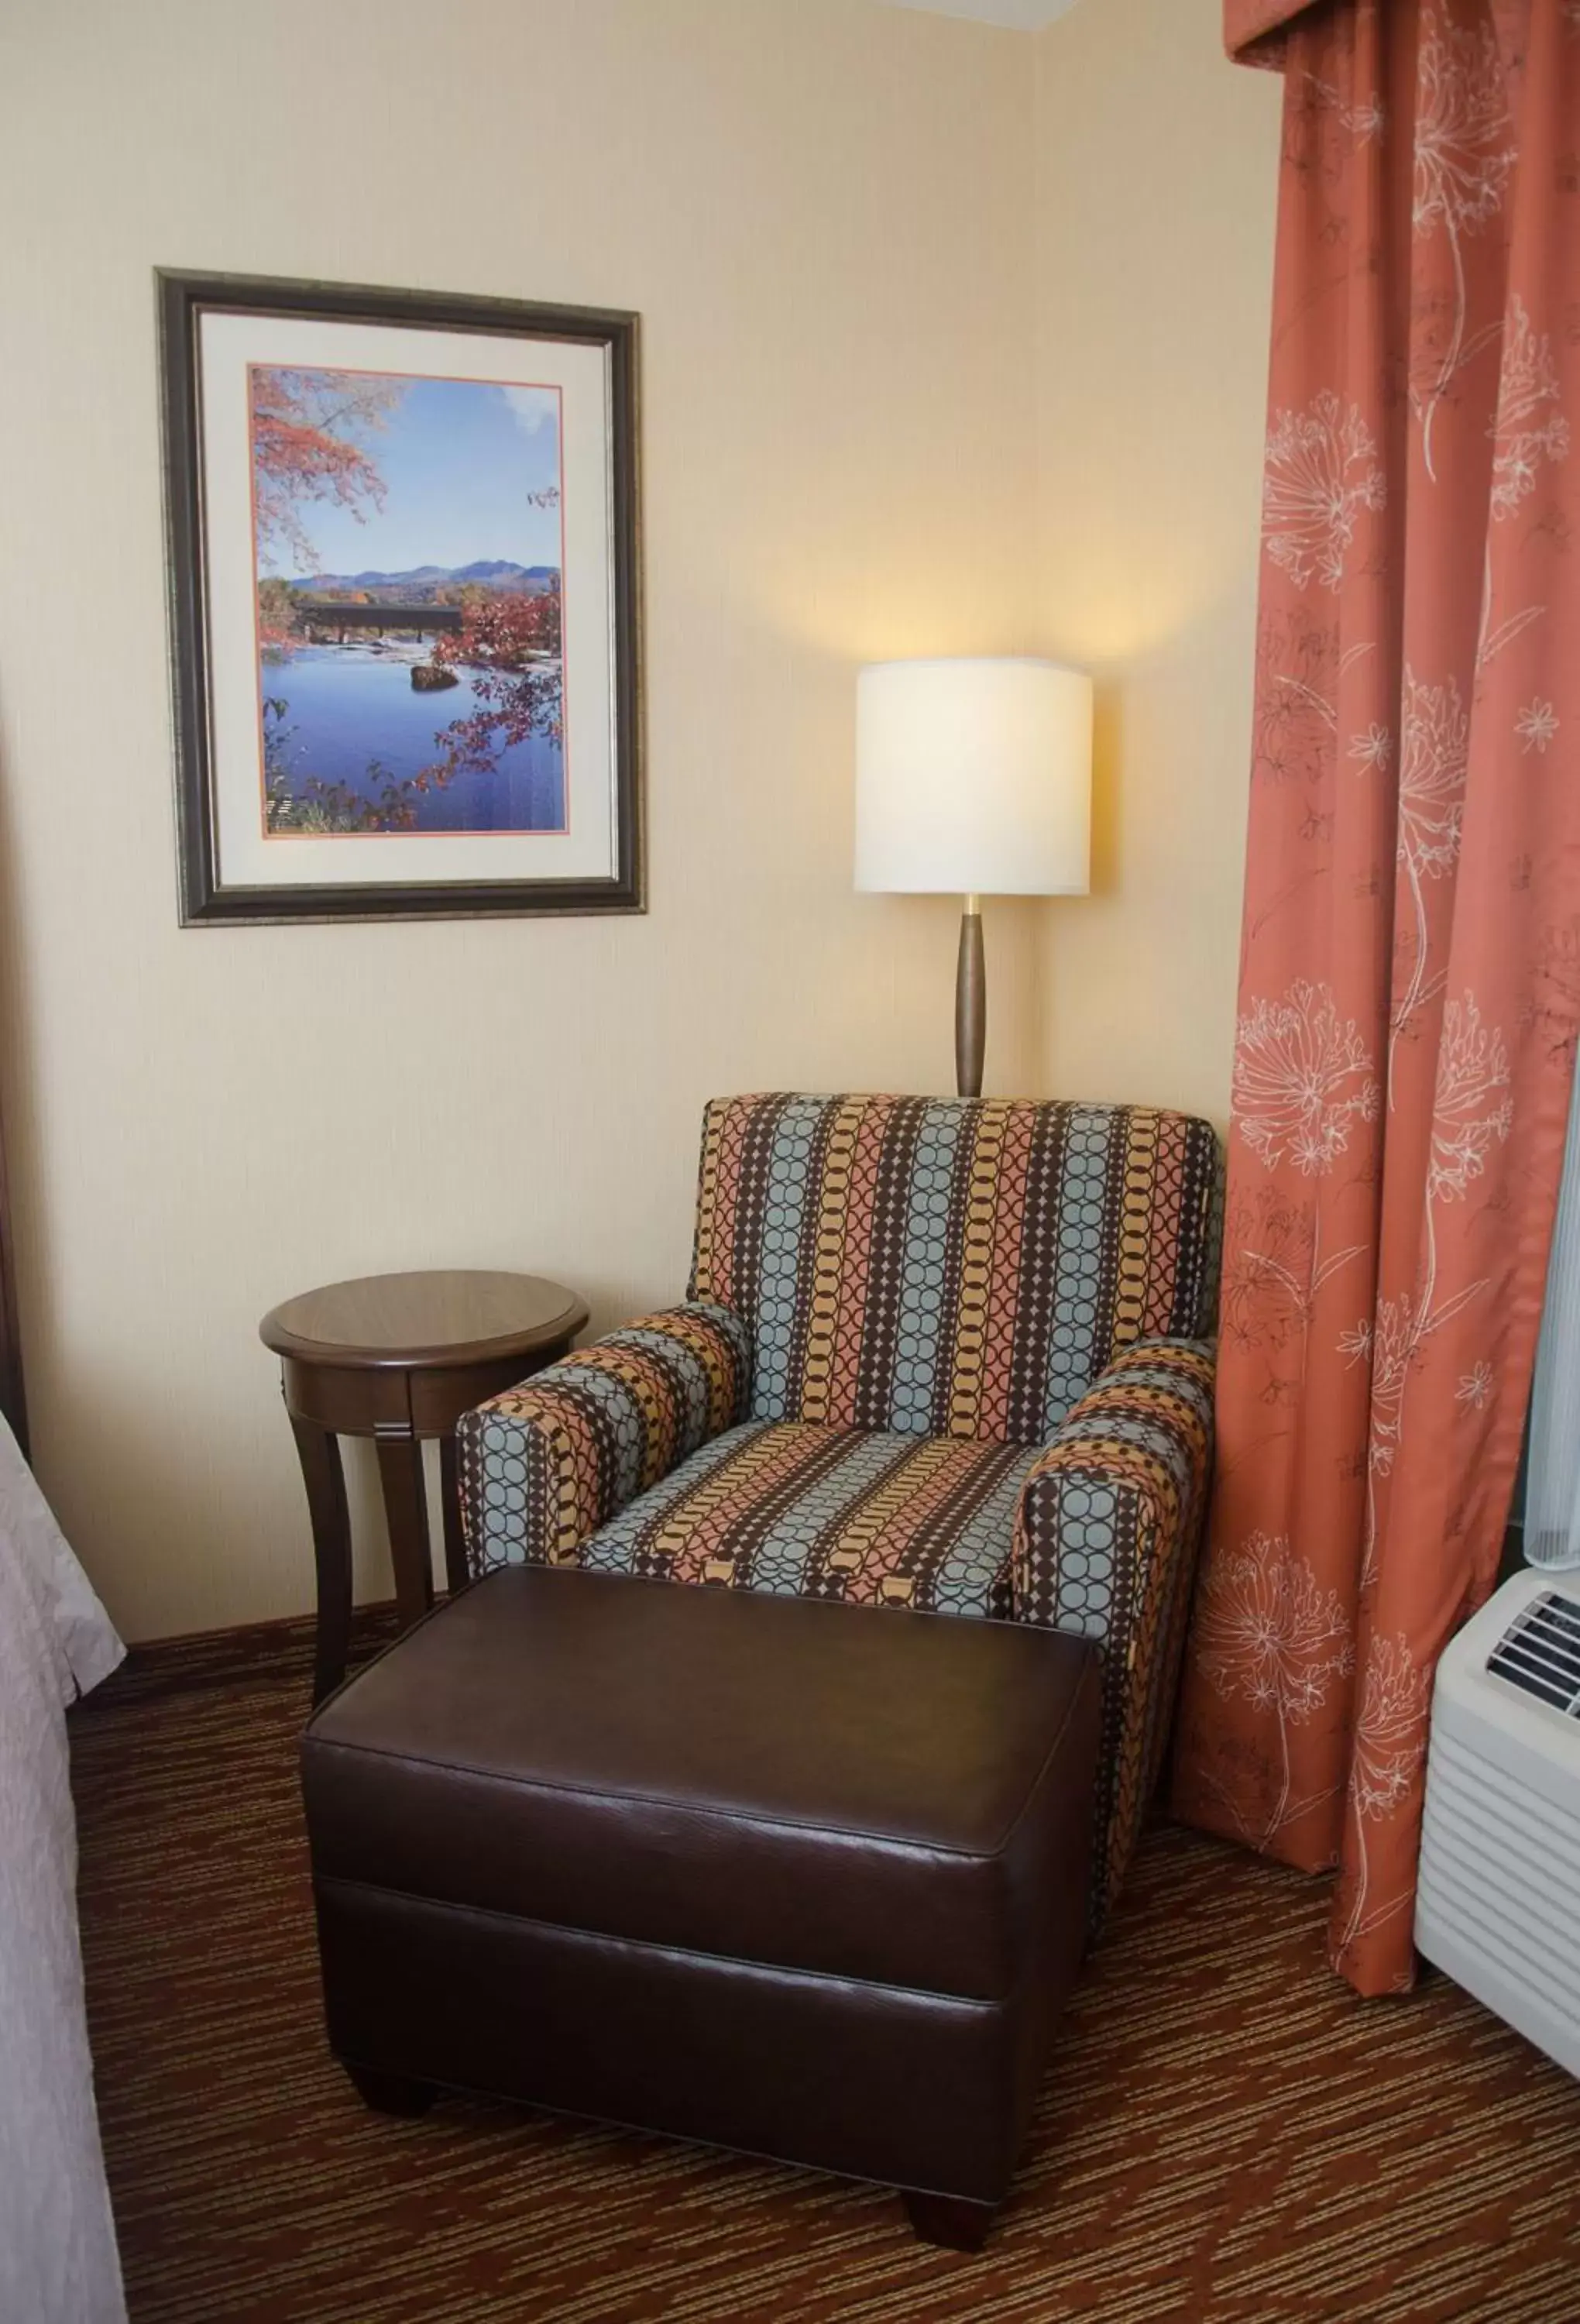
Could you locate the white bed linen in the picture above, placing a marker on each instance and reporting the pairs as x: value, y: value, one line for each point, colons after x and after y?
x: 58, y: 2260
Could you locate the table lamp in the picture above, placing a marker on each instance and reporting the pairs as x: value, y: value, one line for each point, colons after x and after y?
x: 973, y: 778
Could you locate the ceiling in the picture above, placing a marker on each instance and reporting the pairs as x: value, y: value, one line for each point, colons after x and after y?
x: 1021, y: 15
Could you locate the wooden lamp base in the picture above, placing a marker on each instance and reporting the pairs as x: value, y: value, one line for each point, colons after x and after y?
x: 970, y: 1002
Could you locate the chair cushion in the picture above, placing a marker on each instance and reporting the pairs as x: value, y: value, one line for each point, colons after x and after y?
x: 819, y: 1788
x: 948, y: 1267
x: 799, y: 1511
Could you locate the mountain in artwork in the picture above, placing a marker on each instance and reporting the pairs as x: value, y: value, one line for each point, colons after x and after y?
x: 495, y: 573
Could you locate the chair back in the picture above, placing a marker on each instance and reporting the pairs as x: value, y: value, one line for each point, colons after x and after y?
x: 951, y: 1266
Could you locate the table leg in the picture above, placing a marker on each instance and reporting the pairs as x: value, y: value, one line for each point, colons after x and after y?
x: 456, y: 1569
x: 406, y: 1511
x: 319, y: 1452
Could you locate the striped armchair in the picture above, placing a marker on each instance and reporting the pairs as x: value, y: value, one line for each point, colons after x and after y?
x: 947, y: 1355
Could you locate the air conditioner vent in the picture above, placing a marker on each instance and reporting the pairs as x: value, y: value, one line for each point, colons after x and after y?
x: 1499, y: 1899
x: 1539, y: 1652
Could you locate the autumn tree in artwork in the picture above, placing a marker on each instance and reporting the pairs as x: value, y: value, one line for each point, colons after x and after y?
x: 510, y: 646
x: 276, y: 615
x: 305, y: 448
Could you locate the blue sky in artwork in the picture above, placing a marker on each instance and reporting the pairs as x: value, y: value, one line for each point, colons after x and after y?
x: 459, y: 458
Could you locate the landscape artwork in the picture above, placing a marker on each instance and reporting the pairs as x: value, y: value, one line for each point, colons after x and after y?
x: 403, y: 592
x: 411, y: 632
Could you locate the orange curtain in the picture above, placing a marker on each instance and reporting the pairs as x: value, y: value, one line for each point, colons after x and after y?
x: 1410, y: 964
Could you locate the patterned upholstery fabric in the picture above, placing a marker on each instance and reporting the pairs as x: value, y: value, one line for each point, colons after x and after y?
x: 545, y: 1464
x: 802, y: 1511
x: 941, y: 1354
x: 1106, y: 1534
x: 949, y: 1267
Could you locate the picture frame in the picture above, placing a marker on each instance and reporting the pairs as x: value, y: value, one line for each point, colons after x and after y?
x: 417, y: 730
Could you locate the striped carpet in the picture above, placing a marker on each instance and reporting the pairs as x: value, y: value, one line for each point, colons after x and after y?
x: 1227, y: 2133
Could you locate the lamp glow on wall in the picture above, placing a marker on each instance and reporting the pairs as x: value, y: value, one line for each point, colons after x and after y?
x: 973, y: 779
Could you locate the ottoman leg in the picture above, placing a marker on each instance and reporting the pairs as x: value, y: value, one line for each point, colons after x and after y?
x: 953, y: 2220
x: 391, y: 2093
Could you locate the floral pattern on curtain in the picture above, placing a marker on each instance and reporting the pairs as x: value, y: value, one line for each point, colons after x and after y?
x: 1410, y: 963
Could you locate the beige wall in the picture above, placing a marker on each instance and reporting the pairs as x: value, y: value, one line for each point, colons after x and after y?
x: 838, y: 223
x: 824, y: 215
x: 1156, y: 164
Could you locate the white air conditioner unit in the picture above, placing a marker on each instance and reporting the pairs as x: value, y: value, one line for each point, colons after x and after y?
x: 1498, y: 1904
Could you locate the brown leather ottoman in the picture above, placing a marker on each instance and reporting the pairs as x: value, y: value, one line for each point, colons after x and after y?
x: 807, y: 1881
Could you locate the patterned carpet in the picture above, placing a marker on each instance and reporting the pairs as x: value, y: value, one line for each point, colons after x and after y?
x: 1227, y: 2133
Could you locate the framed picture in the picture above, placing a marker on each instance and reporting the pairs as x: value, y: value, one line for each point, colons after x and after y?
x: 403, y: 585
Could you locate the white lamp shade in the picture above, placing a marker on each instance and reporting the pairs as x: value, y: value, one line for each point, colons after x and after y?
x: 973, y: 778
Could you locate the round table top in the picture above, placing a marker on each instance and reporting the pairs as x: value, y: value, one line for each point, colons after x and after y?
x: 449, y: 1316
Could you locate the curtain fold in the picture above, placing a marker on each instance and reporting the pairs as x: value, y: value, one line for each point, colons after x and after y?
x: 1254, y: 30
x: 1410, y: 958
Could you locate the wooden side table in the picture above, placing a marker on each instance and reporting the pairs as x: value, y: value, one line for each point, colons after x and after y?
x: 400, y: 1358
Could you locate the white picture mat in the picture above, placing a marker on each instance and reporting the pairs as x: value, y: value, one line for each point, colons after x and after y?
x: 248, y: 855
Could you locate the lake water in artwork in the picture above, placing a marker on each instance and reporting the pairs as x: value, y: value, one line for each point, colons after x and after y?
x: 353, y: 721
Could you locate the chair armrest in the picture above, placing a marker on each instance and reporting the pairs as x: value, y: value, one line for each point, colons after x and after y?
x: 1105, y: 1536
x: 544, y: 1465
